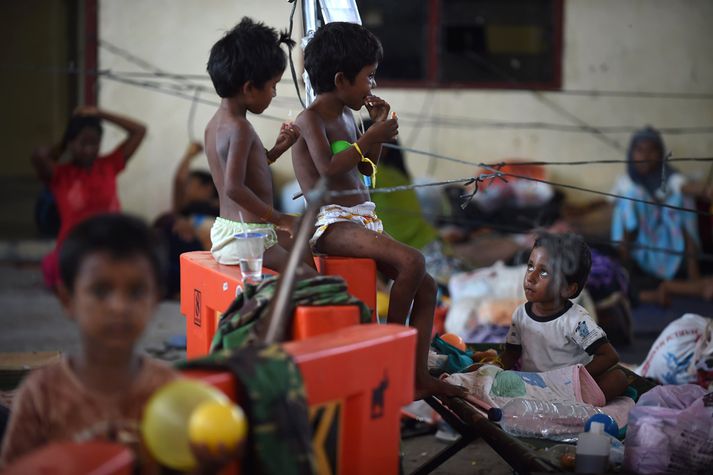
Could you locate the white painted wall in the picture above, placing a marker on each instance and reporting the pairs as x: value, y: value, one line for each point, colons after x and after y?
x: 632, y: 45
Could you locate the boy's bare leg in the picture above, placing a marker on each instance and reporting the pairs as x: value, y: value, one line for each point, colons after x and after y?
x: 707, y: 289
x: 276, y: 258
x: 406, y: 267
x: 424, y: 304
x: 659, y: 296
x: 613, y: 383
x: 702, y: 288
x: 691, y: 249
x: 287, y: 242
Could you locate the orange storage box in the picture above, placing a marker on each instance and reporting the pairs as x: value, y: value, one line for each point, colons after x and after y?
x: 359, y: 274
x: 208, y: 288
x: 357, y: 379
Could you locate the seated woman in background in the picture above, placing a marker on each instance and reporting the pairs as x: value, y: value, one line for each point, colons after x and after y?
x: 639, y: 227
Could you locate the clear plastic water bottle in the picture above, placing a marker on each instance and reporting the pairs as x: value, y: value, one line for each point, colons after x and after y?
x: 555, y: 420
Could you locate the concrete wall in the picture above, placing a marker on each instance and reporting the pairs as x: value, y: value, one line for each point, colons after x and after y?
x: 632, y: 45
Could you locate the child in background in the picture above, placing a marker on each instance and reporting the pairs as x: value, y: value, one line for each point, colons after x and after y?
x: 192, y: 186
x: 341, y: 60
x: 86, y: 185
x: 653, y: 226
x: 195, y: 201
x: 245, y: 67
x: 110, y: 280
x: 187, y: 226
x: 549, y: 331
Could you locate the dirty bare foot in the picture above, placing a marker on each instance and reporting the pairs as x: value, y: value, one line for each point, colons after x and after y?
x: 707, y: 292
x: 663, y: 298
x: 648, y: 296
x: 427, y: 385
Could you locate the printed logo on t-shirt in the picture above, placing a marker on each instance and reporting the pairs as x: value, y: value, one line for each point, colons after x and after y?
x: 582, y: 329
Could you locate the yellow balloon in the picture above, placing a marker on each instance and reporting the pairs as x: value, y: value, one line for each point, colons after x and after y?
x: 164, y: 425
x: 214, y: 424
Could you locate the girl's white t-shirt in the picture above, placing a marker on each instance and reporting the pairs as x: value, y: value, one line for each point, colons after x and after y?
x: 564, y: 339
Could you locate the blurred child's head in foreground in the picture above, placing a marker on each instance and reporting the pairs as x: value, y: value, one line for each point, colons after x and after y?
x: 111, y: 275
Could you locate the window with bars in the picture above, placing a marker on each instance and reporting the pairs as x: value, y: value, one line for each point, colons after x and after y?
x: 468, y: 43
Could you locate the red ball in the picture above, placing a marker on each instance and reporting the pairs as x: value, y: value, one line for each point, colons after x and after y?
x: 454, y: 340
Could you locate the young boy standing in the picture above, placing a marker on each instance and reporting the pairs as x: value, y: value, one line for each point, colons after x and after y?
x: 110, y: 280
x: 549, y: 331
x: 245, y: 67
x: 341, y: 60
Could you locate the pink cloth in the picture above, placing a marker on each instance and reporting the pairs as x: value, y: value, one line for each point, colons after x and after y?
x: 80, y: 193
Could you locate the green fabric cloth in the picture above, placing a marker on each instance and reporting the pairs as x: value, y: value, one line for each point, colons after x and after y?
x: 508, y: 384
x: 400, y: 211
x: 239, y: 319
x: 279, y: 439
x: 339, y: 146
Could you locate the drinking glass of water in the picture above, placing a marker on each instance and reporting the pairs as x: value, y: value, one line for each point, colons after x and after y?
x: 250, y: 247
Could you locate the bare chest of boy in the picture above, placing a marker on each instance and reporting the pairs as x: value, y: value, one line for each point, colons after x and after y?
x: 255, y: 174
x: 257, y: 171
x: 345, y: 130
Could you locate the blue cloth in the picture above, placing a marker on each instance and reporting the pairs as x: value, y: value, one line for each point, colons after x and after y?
x: 654, y: 226
x: 488, y: 334
x: 457, y: 360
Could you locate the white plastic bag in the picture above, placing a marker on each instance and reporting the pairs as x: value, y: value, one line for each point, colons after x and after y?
x: 671, y: 358
x: 670, y: 431
x: 468, y: 291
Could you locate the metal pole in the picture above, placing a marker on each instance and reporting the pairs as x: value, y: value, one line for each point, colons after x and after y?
x: 279, y: 311
x: 310, y: 23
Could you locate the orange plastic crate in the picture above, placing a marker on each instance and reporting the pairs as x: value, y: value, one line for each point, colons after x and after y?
x: 359, y: 274
x: 357, y: 379
x: 208, y: 288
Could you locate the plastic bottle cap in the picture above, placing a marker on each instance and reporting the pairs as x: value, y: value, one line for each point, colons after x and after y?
x: 596, y: 428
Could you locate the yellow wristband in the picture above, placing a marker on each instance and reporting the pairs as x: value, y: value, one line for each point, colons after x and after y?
x: 358, y: 149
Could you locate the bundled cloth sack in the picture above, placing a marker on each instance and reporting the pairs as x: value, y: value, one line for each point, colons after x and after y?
x: 484, y: 296
x: 682, y: 352
x: 670, y: 431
